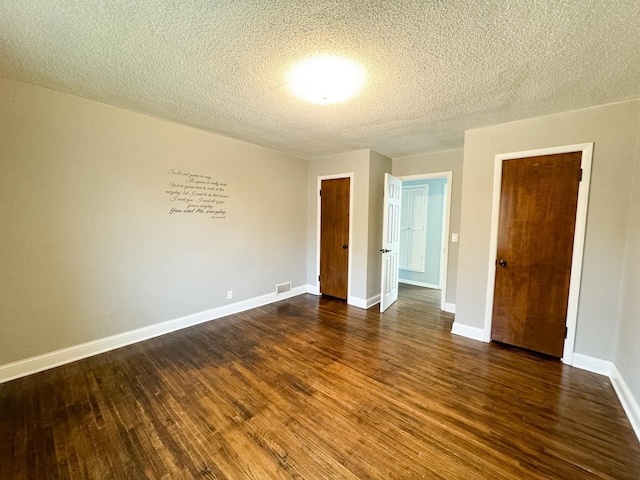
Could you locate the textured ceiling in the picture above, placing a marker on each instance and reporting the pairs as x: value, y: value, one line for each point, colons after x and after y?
x: 435, y: 68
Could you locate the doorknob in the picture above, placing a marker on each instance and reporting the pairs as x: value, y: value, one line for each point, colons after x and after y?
x: 384, y: 250
x: 502, y: 263
x: 345, y: 246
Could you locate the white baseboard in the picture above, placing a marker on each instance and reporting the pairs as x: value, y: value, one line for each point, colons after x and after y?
x: 49, y: 360
x: 629, y: 403
x: 609, y: 369
x: 450, y: 307
x: 351, y: 300
x: 591, y: 364
x: 419, y: 284
x: 357, y: 302
x: 362, y: 303
x: 371, y: 301
x: 466, y: 331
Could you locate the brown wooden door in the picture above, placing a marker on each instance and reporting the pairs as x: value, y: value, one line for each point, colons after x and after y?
x: 538, y: 202
x: 334, y: 237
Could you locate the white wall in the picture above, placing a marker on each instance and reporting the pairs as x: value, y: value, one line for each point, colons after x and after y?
x: 445, y: 161
x: 613, y: 129
x: 89, y: 248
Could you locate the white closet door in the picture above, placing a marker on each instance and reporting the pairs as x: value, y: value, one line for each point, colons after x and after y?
x: 413, y: 231
x: 405, y: 229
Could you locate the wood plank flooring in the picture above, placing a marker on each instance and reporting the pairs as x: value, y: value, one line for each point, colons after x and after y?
x: 310, y: 388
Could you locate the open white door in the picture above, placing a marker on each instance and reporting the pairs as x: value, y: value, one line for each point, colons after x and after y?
x: 391, y: 241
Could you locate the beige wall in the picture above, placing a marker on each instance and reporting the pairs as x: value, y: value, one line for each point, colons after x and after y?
x: 627, y: 357
x: 368, y: 169
x: 88, y: 246
x: 445, y: 161
x: 379, y: 165
x: 613, y: 129
x: 356, y: 162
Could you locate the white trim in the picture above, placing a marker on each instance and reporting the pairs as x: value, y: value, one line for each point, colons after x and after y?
x: 629, y: 403
x: 372, y: 301
x: 473, y: 333
x: 444, y: 242
x: 592, y: 364
x: 450, y: 307
x: 444, y: 259
x: 419, y: 284
x: 357, y: 302
x: 351, y: 177
x: 609, y: 369
x: 362, y: 303
x: 578, y: 242
x: 56, y: 358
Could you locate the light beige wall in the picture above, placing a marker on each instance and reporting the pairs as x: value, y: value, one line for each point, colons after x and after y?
x: 356, y: 162
x: 627, y: 357
x: 449, y: 160
x: 88, y: 246
x: 379, y: 165
x: 613, y: 129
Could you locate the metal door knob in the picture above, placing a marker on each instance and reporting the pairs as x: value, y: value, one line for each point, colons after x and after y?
x: 502, y: 263
x: 345, y: 246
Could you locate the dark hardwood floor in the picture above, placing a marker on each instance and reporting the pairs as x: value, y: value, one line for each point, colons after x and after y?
x: 312, y: 388
x: 423, y: 295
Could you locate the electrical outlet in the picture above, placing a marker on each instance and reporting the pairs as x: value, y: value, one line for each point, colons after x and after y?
x: 229, y: 294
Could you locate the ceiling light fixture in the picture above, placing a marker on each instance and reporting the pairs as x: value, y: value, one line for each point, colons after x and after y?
x: 326, y: 79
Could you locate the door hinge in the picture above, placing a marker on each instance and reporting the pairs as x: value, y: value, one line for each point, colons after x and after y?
x: 566, y: 332
x: 580, y: 176
x: 320, y: 192
x: 318, y: 277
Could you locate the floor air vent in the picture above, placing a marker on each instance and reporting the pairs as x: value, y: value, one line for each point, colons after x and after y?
x: 283, y: 288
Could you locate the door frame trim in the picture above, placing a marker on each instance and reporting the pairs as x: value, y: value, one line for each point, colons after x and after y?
x: 444, y: 258
x: 335, y: 176
x: 578, y: 237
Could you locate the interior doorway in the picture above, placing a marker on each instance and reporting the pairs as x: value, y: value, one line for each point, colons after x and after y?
x: 426, y: 213
x: 334, y: 237
x: 538, y: 204
x: 340, y: 238
x: 586, y: 154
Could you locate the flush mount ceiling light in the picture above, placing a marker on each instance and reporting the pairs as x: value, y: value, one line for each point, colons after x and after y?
x: 326, y: 79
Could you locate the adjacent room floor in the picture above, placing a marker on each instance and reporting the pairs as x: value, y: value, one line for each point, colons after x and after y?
x: 312, y: 388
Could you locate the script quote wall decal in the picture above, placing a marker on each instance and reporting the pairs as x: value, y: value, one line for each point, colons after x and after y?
x: 194, y: 193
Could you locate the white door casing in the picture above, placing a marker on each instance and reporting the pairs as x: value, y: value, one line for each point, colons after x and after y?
x: 391, y: 241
